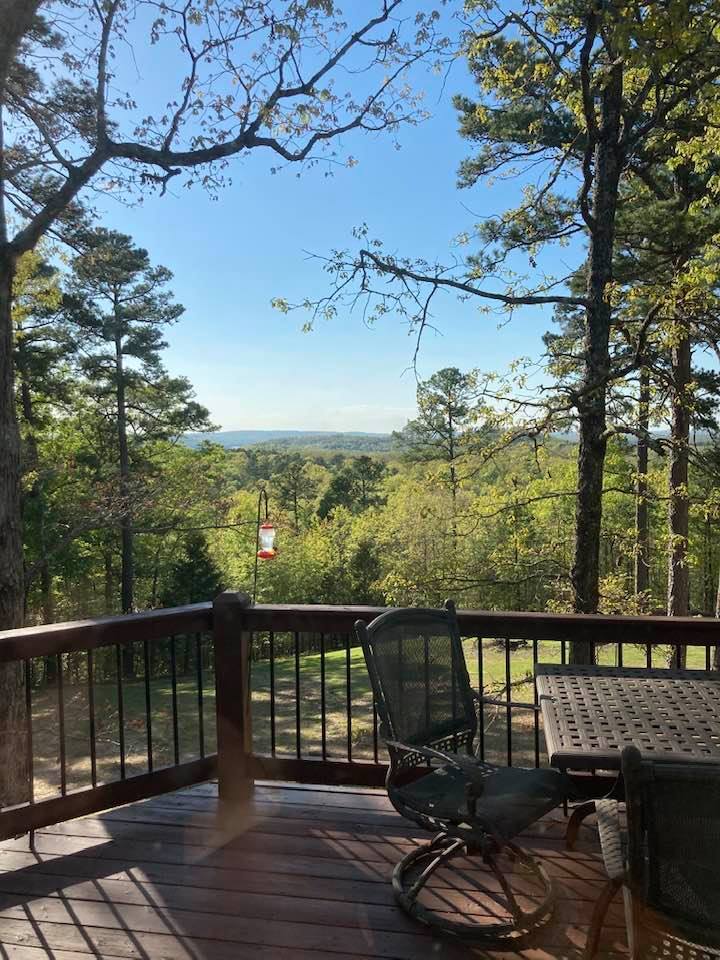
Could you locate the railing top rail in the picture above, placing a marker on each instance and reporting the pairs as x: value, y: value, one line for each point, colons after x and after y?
x: 526, y: 625
x: 43, y: 641
x: 55, y: 638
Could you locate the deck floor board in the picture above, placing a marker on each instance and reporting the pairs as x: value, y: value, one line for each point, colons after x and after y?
x: 297, y: 873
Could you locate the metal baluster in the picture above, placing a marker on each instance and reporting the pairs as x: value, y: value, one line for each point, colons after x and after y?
x: 121, y: 710
x: 173, y: 685
x: 200, y: 696
x: 215, y: 693
x: 508, y: 708
x: 273, y: 745
x: 426, y: 674
x: 323, y: 702
x: 648, y: 655
x: 148, y: 704
x: 375, y: 732
x: 707, y: 658
x: 348, y: 696
x: 481, y: 693
x: 401, y: 676
x: 536, y: 715
x: 620, y: 654
x: 454, y: 691
x: 298, y: 743
x: 29, y: 729
x: 61, y: 724
x: 91, y: 712
x: 563, y: 652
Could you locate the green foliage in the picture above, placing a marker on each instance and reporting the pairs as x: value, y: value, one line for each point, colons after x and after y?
x: 295, y: 483
x: 356, y: 487
x: 616, y: 105
x: 302, y: 441
x: 193, y: 577
x: 510, y: 546
x: 120, y: 307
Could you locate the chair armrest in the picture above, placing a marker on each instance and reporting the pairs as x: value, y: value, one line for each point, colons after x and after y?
x: 611, y: 839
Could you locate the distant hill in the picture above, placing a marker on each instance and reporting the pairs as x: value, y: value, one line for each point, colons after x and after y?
x: 355, y: 442
x: 352, y: 441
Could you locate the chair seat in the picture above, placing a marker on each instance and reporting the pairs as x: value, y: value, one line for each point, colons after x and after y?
x: 512, y: 797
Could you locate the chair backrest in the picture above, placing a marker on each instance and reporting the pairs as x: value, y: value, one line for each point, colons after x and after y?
x: 673, y: 812
x: 419, y: 677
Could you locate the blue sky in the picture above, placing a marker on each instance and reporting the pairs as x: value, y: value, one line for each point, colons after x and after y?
x: 252, y: 366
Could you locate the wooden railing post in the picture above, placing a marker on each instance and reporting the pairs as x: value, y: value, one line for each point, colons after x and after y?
x: 232, y: 671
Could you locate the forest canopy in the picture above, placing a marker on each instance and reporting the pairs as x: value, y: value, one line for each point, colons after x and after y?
x: 609, y: 111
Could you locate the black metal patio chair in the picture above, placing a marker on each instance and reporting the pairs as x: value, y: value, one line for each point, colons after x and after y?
x: 427, y: 710
x: 667, y: 862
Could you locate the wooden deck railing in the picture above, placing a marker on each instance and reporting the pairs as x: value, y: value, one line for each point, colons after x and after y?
x: 311, y: 717
x: 292, y: 696
x: 95, y: 737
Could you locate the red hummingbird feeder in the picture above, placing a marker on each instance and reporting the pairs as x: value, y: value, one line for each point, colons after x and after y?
x: 266, y: 540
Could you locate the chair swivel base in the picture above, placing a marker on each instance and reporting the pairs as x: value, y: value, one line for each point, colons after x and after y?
x: 431, y: 856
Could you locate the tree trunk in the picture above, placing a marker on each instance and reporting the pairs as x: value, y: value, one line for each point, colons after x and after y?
x: 109, y: 582
x: 592, y: 394
x: 453, y: 472
x: 30, y: 463
x: 14, y: 772
x: 716, y: 651
x: 642, y: 519
x: 126, y: 531
x: 708, y: 578
x: 155, y: 580
x: 48, y: 612
x: 678, y: 598
x: 16, y: 17
x: 127, y: 572
x: 47, y: 597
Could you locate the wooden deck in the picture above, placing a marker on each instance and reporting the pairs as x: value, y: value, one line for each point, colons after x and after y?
x: 303, y: 873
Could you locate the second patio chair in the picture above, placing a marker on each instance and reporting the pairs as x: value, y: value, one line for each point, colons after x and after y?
x: 428, y: 716
x: 667, y: 862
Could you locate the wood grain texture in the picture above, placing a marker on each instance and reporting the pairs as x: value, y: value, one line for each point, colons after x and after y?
x: 294, y: 873
x: 156, y: 624
x: 30, y: 642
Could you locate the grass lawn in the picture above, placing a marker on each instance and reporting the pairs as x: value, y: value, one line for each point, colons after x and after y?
x: 46, y: 740
x: 46, y: 722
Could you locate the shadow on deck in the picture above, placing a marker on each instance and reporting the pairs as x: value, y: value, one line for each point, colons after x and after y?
x: 304, y: 873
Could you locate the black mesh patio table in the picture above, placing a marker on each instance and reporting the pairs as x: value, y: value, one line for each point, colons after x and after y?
x: 591, y: 713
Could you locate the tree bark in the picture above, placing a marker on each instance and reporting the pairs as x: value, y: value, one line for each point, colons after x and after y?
x: 642, y: 519
x: 109, y: 592
x: 15, y: 17
x: 708, y: 578
x: 30, y: 462
x: 14, y: 772
x: 596, y: 362
x: 127, y: 571
x: 126, y: 531
x: 678, y: 601
x: 716, y: 651
x: 678, y: 595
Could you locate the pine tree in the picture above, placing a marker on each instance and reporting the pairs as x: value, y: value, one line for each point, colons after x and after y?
x: 356, y: 487
x: 194, y: 577
x: 445, y: 427
x: 121, y: 306
x: 43, y: 353
x: 576, y: 97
